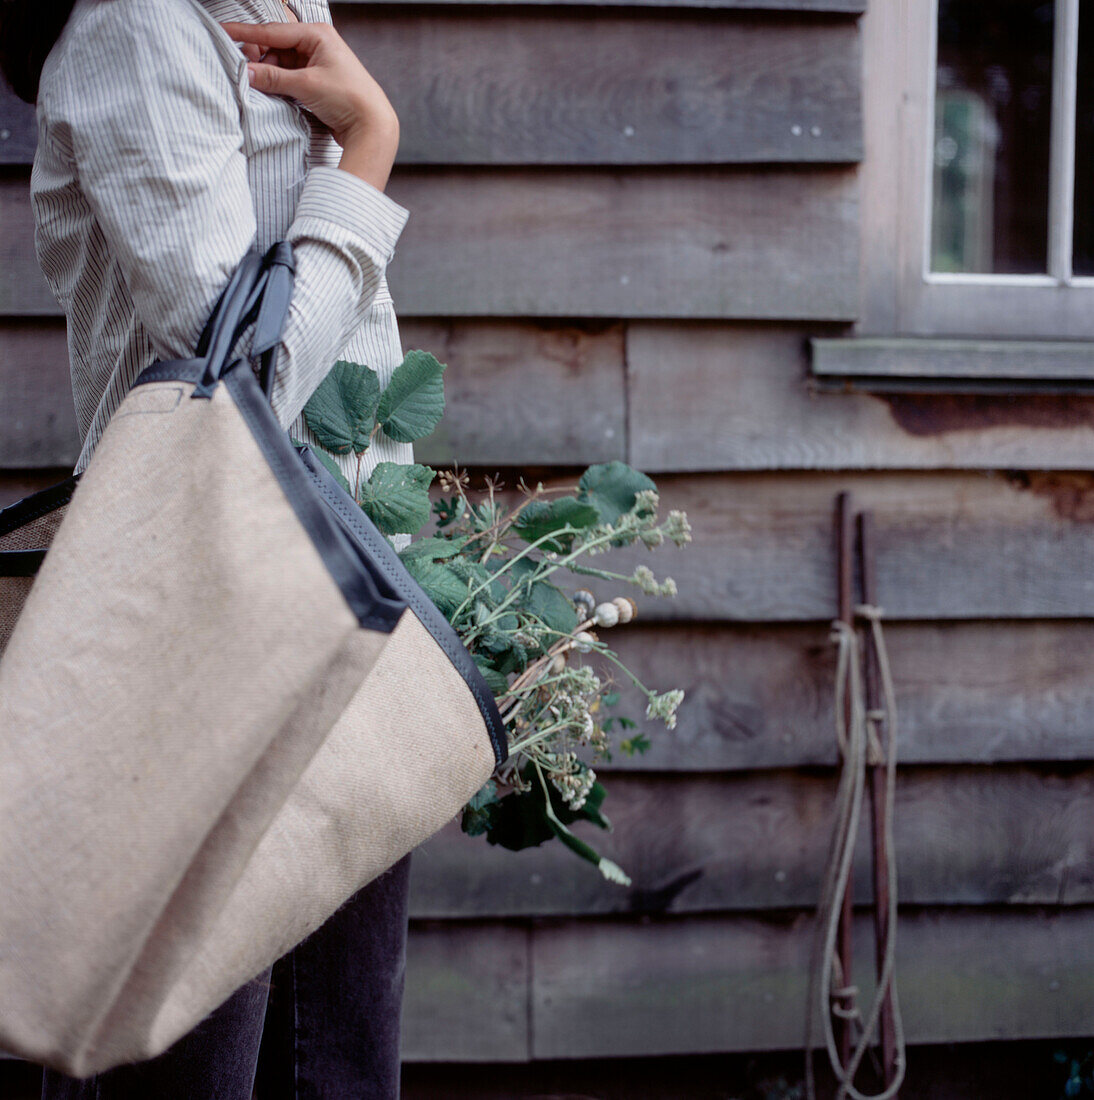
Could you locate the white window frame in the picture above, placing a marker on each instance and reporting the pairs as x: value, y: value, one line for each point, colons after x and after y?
x: 901, y: 295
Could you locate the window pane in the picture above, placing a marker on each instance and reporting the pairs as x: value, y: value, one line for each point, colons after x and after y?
x: 993, y: 109
x: 1083, y: 259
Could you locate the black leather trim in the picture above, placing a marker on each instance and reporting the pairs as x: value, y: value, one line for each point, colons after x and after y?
x: 172, y: 370
x: 37, y: 504
x: 20, y: 563
x: 388, y: 562
x: 350, y: 570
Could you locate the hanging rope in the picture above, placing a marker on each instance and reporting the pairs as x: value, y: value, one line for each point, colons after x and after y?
x: 859, y: 743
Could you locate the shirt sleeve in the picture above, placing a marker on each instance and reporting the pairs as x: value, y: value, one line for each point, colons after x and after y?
x: 153, y: 122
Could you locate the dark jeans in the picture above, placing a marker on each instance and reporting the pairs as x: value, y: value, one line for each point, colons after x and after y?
x: 321, y: 1024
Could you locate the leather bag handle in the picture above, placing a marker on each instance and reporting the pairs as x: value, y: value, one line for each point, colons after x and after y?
x: 259, y: 290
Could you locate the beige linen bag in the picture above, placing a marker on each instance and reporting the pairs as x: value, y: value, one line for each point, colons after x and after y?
x: 225, y: 706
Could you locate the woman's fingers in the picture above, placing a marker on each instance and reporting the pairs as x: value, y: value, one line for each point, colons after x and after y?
x: 276, y: 80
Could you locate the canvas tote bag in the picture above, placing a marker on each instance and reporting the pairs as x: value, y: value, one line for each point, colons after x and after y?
x: 225, y: 706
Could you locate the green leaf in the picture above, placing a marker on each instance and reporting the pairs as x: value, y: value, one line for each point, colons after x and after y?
x: 435, y: 549
x: 413, y: 401
x: 507, y: 654
x: 334, y: 468
x: 611, y: 698
x: 396, y: 497
x: 497, y: 681
x: 518, y: 820
x: 342, y: 411
x: 478, y: 813
x: 541, y: 517
x: 441, y: 585
x: 551, y: 604
x: 611, y: 487
x: 448, y: 510
x: 640, y: 744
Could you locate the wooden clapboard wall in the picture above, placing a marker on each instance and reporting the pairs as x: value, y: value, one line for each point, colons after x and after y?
x: 627, y: 220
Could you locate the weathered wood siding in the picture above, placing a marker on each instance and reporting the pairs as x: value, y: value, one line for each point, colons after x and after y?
x: 627, y: 222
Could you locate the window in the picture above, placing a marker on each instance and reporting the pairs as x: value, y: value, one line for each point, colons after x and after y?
x: 977, y: 193
x: 979, y: 172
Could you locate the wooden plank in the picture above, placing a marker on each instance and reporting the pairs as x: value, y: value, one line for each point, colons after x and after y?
x: 685, y: 242
x: 847, y: 6
x: 525, y: 393
x: 739, y: 396
x: 762, y: 697
x: 661, y: 92
x: 923, y: 358
x: 754, y: 841
x: 37, y: 415
x: 466, y: 997
x: 951, y: 1071
x: 515, y: 392
x: 579, y: 86
x: 18, y: 128
x: 957, y: 546
x: 703, y: 396
x: 613, y: 988
x: 953, y: 547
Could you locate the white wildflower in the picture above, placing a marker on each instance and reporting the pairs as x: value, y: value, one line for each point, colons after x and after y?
x: 646, y: 500
x: 664, y: 706
x: 644, y: 578
x: 677, y: 527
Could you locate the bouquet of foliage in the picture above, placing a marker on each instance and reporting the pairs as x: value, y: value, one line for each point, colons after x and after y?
x: 488, y: 568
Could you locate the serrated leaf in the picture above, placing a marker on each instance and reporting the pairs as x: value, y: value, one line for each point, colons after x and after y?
x: 444, y: 588
x: 433, y: 548
x: 611, y: 487
x: 413, y: 401
x: 342, y: 411
x: 542, y: 517
x: 396, y: 497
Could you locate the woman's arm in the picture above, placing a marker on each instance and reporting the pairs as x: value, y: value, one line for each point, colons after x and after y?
x: 152, y: 121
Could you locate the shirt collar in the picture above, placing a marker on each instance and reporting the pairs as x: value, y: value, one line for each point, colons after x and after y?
x: 265, y: 11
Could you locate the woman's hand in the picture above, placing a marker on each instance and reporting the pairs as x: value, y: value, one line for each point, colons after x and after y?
x: 310, y: 62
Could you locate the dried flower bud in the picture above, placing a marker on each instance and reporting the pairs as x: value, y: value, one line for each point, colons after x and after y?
x: 606, y: 614
x: 585, y: 602
x: 583, y: 640
x: 558, y: 664
x: 626, y: 607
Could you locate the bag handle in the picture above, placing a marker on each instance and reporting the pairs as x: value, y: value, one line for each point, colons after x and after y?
x: 269, y: 303
x: 259, y: 290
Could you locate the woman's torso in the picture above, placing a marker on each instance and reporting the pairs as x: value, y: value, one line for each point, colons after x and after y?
x: 108, y: 346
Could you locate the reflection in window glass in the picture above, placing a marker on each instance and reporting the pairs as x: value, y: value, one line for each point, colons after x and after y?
x: 1083, y: 256
x: 993, y: 109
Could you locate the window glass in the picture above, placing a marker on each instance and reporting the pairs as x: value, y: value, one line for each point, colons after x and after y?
x: 993, y: 109
x: 1083, y: 257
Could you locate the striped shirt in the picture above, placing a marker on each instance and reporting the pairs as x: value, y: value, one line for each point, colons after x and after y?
x: 158, y: 166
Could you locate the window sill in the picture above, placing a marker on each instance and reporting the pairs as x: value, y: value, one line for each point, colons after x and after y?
x: 917, y: 365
